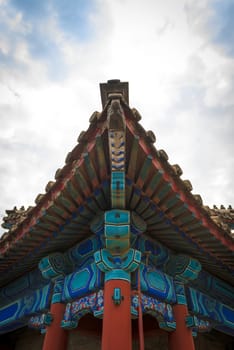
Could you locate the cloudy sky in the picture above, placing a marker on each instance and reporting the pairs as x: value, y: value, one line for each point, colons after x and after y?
x: 178, y: 57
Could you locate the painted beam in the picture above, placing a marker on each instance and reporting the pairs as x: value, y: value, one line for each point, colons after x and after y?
x: 22, y: 286
x: 211, y: 309
x: 16, y: 314
x: 215, y: 287
x: 94, y: 304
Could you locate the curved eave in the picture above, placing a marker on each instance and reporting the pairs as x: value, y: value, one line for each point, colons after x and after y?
x: 172, y: 213
x: 62, y: 216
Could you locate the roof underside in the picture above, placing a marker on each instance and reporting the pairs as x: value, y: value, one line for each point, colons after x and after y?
x: 62, y: 216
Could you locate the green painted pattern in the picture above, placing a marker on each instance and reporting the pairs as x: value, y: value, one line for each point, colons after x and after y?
x: 144, y: 172
x: 133, y: 158
x: 154, y: 182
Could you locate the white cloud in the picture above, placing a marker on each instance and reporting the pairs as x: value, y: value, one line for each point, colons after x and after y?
x: 179, y: 81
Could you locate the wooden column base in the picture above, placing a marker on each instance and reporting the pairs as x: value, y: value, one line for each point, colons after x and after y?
x: 56, y: 337
x: 117, y: 327
x: 181, y: 338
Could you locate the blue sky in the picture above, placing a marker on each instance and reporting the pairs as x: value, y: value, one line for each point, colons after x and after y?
x: 222, y: 20
x: 178, y: 57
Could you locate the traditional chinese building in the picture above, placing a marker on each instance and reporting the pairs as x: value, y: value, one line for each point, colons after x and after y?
x: 118, y: 253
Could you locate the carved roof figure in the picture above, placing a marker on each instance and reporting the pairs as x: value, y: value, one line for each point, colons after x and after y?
x: 14, y: 217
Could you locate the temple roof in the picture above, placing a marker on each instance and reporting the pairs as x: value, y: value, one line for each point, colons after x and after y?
x: 154, y: 189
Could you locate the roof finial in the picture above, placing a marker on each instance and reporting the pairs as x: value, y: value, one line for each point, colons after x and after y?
x: 112, y: 89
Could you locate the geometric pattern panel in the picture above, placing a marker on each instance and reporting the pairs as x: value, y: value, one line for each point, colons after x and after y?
x: 214, y: 287
x: 157, y: 284
x: 155, y: 253
x: 82, y: 253
x: 210, y: 308
x: 21, y: 309
x: 81, y: 282
x: 21, y: 286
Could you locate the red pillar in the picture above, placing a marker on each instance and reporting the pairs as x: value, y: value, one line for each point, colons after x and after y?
x: 181, y: 338
x: 56, y: 337
x: 117, y: 327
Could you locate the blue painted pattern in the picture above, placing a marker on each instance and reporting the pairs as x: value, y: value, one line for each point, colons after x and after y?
x: 82, y: 254
x: 21, y: 287
x: 214, y: 287
x: 36, y: 302
x: 160, y: 310
x: 117, y: 231
x: 157, y: 284
x: 117, y: 267
x: 211, y: 309
x: 58, y: 290
x: 183, y: 268
x: 54, y: 265
x: 156, y: 254
x: 81, y: 282
x: 180, y: 293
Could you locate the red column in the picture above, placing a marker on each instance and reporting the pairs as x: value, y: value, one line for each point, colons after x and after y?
x: 56, y: 337
x: 181, y: 338
x: 117, y: 327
